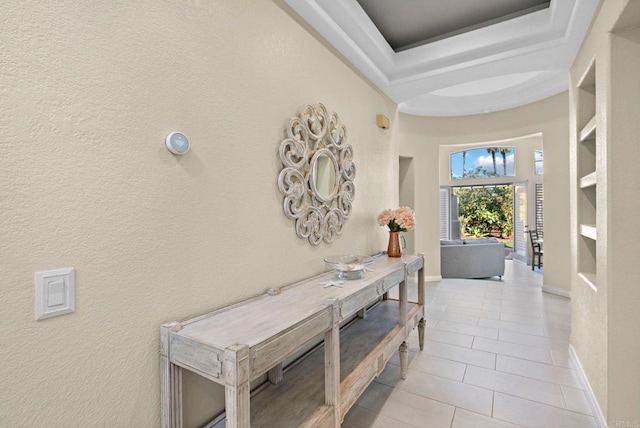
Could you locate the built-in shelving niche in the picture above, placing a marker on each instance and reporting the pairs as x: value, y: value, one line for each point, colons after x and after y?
x: 587, y: 176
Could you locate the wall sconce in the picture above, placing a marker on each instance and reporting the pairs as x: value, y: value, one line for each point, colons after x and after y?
x: 382, y: 121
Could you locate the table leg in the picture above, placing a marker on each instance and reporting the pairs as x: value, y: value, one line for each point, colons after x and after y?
x: 237, y: 387
x: 332, y: 364
x: 404, y: 360
x: 421, y: 325
x: 171, y: 375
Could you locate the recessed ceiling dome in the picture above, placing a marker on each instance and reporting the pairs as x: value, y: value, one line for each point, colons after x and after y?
x: 485, y: 86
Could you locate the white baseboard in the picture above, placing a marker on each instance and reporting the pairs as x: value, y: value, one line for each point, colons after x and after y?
x: 595, y: 408
x: 433, y: 278
x: 555, y: 290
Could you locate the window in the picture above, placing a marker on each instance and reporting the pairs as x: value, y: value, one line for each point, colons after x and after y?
x: 483, y: 162
x: 538, y: 161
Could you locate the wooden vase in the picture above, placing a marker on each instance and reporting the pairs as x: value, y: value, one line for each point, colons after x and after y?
x: 393, y: 250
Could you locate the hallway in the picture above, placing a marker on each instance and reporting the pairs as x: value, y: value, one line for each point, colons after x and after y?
x: 496, y: 355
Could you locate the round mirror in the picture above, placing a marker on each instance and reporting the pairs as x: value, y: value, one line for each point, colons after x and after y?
x: 324, y: 175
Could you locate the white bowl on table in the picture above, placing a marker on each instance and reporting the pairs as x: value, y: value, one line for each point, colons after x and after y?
x: 349, y: 266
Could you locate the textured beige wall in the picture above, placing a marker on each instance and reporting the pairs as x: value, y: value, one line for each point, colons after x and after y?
x: 624, y: 231
x: 589, y: 321
x: 88, y: 93
x: 602, y: 321
x: 421, y: 137
x: 604, y: 324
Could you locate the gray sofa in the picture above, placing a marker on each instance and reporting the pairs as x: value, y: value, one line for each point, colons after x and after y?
x: 472, y: 258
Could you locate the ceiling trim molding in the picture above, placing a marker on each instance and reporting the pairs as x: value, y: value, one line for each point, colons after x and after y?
x: 545, y: 40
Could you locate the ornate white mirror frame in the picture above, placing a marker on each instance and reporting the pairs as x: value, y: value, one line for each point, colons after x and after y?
x: 312, y: 135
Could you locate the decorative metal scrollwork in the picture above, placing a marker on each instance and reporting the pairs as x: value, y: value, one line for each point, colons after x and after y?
x: 317, y: 175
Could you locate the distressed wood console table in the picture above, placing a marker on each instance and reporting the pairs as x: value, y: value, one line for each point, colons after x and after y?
x: 239, y: 343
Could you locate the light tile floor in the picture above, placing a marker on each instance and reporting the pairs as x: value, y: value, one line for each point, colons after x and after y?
x: 496, y: 355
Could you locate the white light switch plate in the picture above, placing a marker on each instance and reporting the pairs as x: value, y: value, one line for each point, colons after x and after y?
x: 55, y: 294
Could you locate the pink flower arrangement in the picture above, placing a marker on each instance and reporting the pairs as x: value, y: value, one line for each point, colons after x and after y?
x: 399, y: 220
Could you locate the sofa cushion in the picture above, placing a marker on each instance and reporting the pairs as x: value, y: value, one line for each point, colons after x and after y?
x: 452, y: 242
x: 480, y: 241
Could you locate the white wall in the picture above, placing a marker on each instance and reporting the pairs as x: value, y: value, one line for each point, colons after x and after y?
x: 88, y: 93
x: 421, y: 137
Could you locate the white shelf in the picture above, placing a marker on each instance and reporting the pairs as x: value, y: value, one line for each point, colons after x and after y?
x: 589, y: 279
x: 361, y: 346
x: 588, y: 180
x: 588, y: 231
x: 589, y: 130
x: 588, y: 80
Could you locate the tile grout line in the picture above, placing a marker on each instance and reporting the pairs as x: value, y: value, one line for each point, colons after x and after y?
x: 532, y: 399
x: 427, y: 373
x: 439, y: 400
x: 498, y: 419
x: 538, y: 379
x: 469, y: 325
x: 547, y: 352
x: 394, y: 419
x: 493, y: 403
x: 545, y: 404
x: 461, y: 362
x: 534, y: 346
x: 563, y: 397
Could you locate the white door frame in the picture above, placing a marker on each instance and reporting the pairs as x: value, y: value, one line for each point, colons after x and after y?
x: 520, y: 222
x: 446, y: 215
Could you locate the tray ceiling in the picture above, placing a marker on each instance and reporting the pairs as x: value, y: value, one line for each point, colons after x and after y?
x: 456, y: 57
x: 408, y: 24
